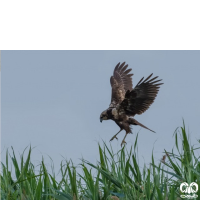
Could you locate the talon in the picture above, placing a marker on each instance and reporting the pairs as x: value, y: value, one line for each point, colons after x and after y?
x: 123, y: 142
x: 114, y: 138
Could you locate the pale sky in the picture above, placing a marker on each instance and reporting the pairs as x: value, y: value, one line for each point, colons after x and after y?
x: 53, y: 100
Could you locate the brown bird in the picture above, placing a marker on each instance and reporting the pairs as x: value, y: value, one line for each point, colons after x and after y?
x: 127, y: 101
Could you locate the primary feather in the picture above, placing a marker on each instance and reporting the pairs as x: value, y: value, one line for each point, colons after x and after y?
x: 141, y: 97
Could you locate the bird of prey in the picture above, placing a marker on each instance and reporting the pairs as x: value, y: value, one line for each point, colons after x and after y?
x: 127, y: 101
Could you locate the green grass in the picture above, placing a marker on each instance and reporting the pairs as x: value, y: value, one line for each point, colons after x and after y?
x: 117, y: 175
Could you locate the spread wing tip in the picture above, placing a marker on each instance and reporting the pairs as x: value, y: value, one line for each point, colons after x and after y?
x: 120, y: 66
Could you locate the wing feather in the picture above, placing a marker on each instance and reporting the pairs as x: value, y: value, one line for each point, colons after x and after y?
x: 139, y: 99
x: 121, y: 82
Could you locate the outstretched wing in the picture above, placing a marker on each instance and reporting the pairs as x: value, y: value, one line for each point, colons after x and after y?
x: 121, y: 82
x: 141, y: 97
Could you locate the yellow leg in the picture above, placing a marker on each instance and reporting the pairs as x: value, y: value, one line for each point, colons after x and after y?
x: 123, y: 141
x: 115, y: 136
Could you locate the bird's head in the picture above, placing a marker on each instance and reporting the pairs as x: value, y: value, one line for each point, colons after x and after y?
x: 103, y: 116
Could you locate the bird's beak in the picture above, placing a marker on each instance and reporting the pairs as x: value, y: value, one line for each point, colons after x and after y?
x: 101, y: 119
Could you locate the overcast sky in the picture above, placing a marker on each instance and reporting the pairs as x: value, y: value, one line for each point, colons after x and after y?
x: 53, y: 100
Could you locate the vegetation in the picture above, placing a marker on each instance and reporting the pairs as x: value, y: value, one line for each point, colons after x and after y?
x: 115, y: 176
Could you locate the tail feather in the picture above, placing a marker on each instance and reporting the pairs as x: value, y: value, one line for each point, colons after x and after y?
x: 135, y: 122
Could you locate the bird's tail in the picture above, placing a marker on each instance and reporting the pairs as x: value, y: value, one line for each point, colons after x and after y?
x: 135, y: 122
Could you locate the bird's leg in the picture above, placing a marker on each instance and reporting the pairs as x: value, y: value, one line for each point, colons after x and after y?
x: 123, y: 141
x: 115, y: 136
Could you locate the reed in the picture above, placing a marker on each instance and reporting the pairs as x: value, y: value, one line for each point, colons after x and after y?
x: 115, y: 176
